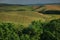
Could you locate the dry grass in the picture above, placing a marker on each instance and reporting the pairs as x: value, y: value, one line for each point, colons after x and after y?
x: 52, y: 7
x: 23, y: 17
x: 26, y: 17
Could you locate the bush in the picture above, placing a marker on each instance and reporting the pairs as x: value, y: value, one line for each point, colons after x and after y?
x: 7, y: 32
x: 35, y: 31
x: 56, y: 24
x: 51, y: 30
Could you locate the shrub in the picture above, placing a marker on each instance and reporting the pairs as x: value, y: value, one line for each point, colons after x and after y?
x: 35, y: 31
x: 7, y: 32
x: 51, y: 30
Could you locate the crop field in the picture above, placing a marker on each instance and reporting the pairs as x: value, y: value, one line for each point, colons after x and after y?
x: 24, y: 14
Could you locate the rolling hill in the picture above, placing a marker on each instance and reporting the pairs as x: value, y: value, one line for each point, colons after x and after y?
x: 15, y: 14
x: 48, y: 7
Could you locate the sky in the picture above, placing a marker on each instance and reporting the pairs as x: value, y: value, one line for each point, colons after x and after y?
x: 29, y: 1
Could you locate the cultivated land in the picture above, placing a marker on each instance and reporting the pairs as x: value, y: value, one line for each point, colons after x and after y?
x: 26, y: 14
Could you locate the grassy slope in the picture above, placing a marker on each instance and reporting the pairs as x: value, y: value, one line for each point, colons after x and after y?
x: 52, y: 7
x: 49, y: 7
x: 24, y: 17
x: 28, y: 8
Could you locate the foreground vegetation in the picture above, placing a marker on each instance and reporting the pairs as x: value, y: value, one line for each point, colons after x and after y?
x: 35, y: 31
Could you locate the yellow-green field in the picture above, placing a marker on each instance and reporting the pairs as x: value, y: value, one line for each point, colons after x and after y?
x: 27, y: 16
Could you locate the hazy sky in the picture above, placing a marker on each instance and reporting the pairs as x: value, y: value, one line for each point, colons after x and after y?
x: 29, y: 1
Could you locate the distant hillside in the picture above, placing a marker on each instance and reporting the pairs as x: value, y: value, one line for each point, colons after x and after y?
x: 44, y: 4
x: 52, y: 4
x: 48, y: 7
x: 5, y: 4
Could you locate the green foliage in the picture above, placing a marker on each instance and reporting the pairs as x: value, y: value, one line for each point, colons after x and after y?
x: 7, y: 32
x: 35, y: 31
x: 52, y: 30
x: 56, y: 24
